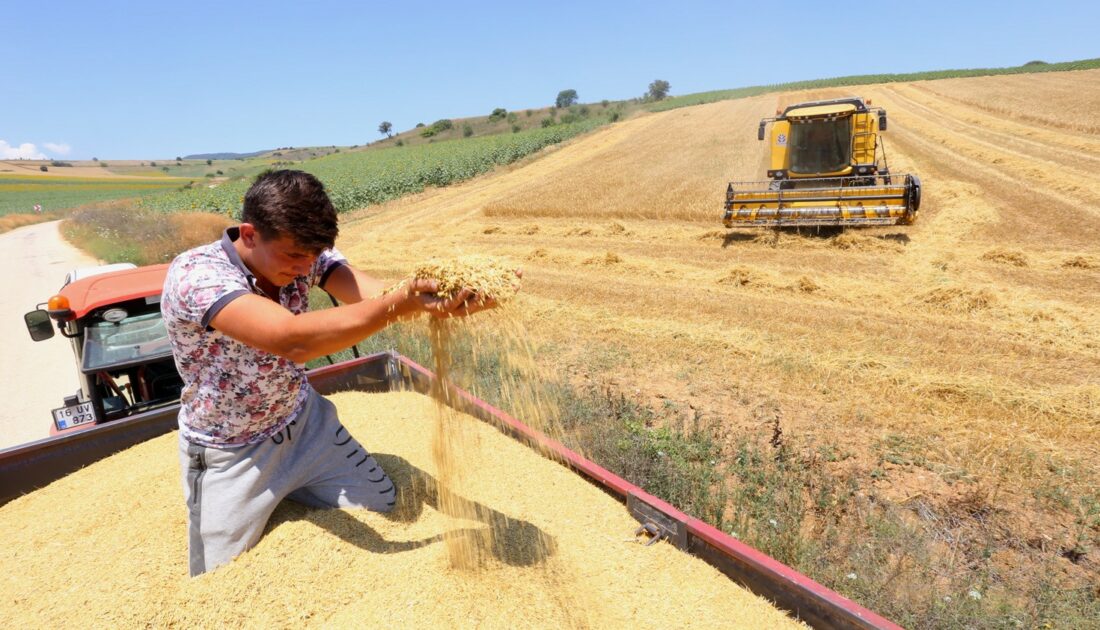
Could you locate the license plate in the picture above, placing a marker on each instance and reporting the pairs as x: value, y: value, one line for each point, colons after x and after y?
x: 73, y: 415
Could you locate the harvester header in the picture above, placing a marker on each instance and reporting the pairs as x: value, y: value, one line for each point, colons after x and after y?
x: 825, y: 169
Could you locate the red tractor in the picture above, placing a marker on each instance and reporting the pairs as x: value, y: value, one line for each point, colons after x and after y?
x: 111, y: 314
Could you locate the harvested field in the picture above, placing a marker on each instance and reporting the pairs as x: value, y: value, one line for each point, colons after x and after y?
x: 972, y: 337
x: 84, y: 551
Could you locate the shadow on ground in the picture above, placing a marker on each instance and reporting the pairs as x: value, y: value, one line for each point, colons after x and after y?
x: 509, y: 540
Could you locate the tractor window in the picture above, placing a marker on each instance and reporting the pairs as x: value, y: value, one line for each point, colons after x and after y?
x: 821, y: 146
x: 133, y: 341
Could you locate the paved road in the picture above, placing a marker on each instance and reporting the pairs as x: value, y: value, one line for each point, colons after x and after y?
x: 34, y: 377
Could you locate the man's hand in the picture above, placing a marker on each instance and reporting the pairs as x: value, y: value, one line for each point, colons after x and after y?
x: 466, y: 302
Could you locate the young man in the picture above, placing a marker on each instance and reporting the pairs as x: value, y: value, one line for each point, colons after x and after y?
x: 252, y: 430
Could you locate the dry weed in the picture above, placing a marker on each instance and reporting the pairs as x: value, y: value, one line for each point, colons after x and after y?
x: 741, y: 276
x: 806, y: 285
x: 11, y: 221
x: 959, y: 299
x: 1012, y: 257
x: 610, y: 258
x: 859, y: 242
x: 1081, y: 262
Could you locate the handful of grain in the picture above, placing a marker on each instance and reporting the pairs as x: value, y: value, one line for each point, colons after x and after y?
x: 487, y: 277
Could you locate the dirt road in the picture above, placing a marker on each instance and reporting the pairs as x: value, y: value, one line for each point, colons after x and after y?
x: 33, y: 376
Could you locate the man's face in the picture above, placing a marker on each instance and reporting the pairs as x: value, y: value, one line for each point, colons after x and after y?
x: 277, y: 260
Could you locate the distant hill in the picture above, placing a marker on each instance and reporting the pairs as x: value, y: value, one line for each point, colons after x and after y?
x: 224, y: 156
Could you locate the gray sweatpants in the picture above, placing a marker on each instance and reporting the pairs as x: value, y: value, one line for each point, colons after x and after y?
x: 232, y: 492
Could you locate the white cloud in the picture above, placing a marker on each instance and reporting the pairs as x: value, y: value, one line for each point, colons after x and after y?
x: 25, y: 151
x: 57, y: 148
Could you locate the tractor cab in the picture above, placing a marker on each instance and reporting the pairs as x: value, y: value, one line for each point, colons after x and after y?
x: 111, y: 315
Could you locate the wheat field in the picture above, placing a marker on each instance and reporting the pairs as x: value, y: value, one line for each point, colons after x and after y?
x: 973, y: 336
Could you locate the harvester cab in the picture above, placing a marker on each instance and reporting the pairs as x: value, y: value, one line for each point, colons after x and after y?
x: 111, y: 315
x: 825, y: 169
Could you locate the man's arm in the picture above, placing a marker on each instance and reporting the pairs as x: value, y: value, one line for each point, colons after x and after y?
x: 349, y: 285
x: 264, y: 324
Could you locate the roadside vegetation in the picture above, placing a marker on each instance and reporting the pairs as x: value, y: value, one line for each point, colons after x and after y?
x: 119, y: 231
x: 18, y: 220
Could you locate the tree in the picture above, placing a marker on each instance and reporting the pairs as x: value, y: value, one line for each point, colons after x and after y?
x: 566, y: 98
x: 657, y: 90
x: 209, y: 162
x: 438, y: 126
x: 386, y: 127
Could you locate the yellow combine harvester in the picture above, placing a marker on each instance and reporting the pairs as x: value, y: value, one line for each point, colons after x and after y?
x: 825, y: 171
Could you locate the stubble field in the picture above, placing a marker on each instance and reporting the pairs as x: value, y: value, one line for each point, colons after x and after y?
x: 950, y: 367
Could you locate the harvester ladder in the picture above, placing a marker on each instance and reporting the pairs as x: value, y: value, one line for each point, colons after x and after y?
x: 863, y: 139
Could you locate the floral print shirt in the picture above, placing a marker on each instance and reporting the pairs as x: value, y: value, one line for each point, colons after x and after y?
x: 233, y: 394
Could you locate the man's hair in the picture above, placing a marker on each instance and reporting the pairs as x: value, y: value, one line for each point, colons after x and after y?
x: 291, y: 204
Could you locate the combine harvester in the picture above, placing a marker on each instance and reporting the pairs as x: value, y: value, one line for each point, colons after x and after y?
x: 119, y: 342
x: 825, y: 171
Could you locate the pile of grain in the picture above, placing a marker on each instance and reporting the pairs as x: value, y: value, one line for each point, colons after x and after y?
x: 488, y: 277
x: 106, y: 546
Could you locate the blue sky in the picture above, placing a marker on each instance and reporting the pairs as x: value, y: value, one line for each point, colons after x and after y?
x: 155, y: 80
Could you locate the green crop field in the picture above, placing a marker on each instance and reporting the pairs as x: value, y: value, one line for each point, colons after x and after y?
x: 359, y: 179
x: 20, y: 194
